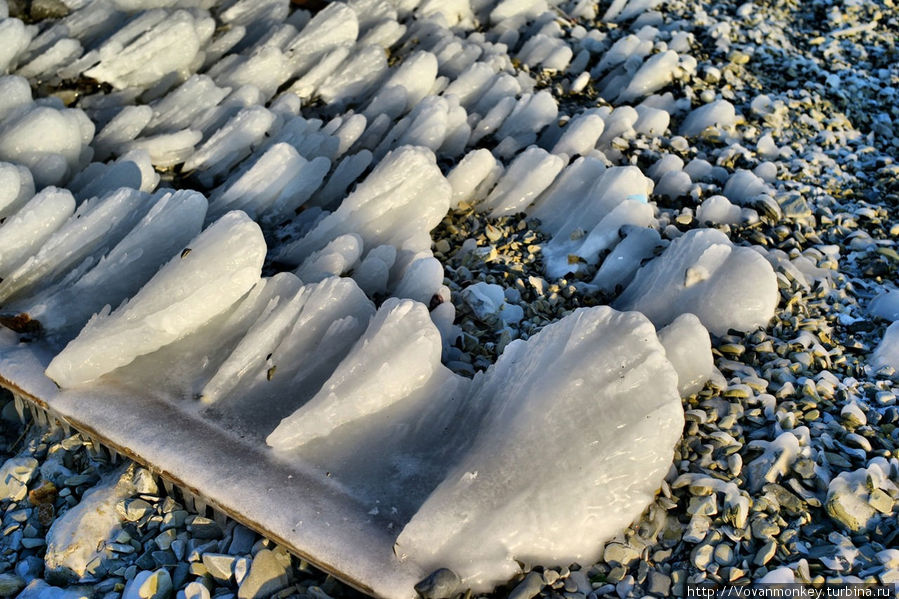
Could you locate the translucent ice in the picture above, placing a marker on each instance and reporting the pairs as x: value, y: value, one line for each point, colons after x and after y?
x: 166, y: 229
x: 401, y: 332
x: 719, y: 113
x: 702, y: 272
x: 16, y: 188
x: 885, y: 305
x: 602, y: 378
x: 97, y: 224
x: 744, y: 186
x: 528, y: 175
x: 141, y: 56
x: 223, y: 263
x: 27, y: 230
x: 52, y: 143
x: 403, y: 198
x: 887, y: 351
x: 689, y: 349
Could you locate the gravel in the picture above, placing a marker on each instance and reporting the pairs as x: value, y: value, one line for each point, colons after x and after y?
x: 795, y: 405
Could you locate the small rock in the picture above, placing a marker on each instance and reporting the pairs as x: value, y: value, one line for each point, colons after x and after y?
x: 219, y: 566
x: 241, y: 569
x: 658, y: 583
x: 880, y: 501
x: 242, y: 540
x: 440, y: 584
x: 848, y: 509
x: 38, y: 589
x: 267, y: 575
x: 195, y: 590
x: 724, y: 554
x: 705, y: 505
x: 529, y: 587
x: 10, y: 584
x: 133, y: 510
x: 149, y: 585
x: 764, y: 555
x: 15, y: 474
x: 702, y: 556
x: 204, y: 528
x: 618, y: 553
x: 697, y: 529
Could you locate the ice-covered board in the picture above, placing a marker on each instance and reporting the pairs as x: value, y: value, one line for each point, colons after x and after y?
x: 323, y: 525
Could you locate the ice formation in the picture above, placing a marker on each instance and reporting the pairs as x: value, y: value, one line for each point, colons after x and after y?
x: 214, y: 271
x: 703, y: 273
x: 467, y: 522
x: 342, y: 137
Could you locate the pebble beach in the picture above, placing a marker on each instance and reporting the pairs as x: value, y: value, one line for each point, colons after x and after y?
x: 787, y: 469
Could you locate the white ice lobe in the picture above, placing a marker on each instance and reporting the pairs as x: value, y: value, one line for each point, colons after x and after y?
x: 168, y: 226
x: 403, y: 198
x: 377, y: 372
x: 612, y: 420
x: 29, y: 228
x: 223, y: 263
x: 702, y: 272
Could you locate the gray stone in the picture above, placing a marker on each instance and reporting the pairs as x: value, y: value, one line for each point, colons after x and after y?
x: 195, y: 590
x: 440, y: 584
x: 697, y: 529
x: 724, y: 554
x: 705, y: 505
x: 701, y: 556
x: 15, y: 474
x: 204, y: 528
x: 619, y: 553
x: 219, y: 566
x: 529, y: 587
x: 764, y: 555
x: 241, y: 568
x: 133, y: 510
x: 149, y: 585
x: 242, y: 540
x: 849, y: 510
x: 39, y: 589
x: 658, y: 583
x: 267, y: 575
x: 10, y: 584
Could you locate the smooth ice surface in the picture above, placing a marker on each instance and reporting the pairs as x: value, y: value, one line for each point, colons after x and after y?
x: 223, y: 263
x: 16, y: 188
x: 166, y: 229
x: 51, y: 142
x: 96, y: 225
x: 530, y: 173
x: 689, y: 349
x: 655, y: 74
x: 402, y: 199
x: 702, y: 272
x: 30, y: 227
x: 744, y: 186
x: 718, y: 210
x: 719, y: 113
x: 885, y: 305
x: 401, y: 334
x: 887, y: 351
x: 602, y: 379
x: 619, y: 267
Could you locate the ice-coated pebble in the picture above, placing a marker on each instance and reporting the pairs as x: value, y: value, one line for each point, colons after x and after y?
x: 702, y: 272
x: 720, y: 114
x: 689, y: 350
